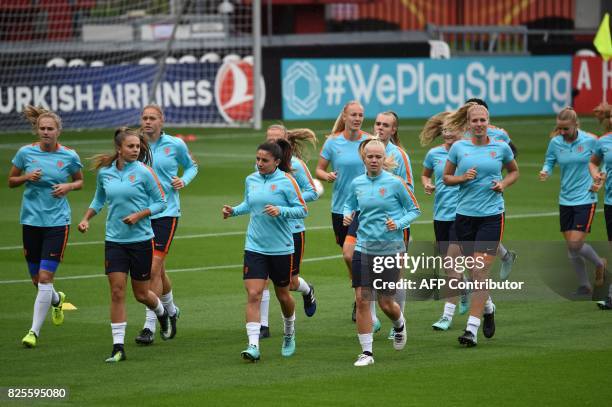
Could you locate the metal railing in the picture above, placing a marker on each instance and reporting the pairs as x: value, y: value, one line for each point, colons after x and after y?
x: 501, y: 40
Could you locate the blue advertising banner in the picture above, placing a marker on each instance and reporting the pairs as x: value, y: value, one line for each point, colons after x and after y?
x: 112, y: 96
x: 319, y: 88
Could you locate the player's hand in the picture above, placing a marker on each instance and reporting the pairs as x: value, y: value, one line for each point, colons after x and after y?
x: 348, y: 219
x: 83, y: 226
x: 429, y: 188
x: 498, y: 186
x: 391, y: 226
x: 470, y: 174
x: 227, y: 211
x: 177, y: 183
x: 272, y: 210
x: 331, y: 176
x: 60, y: 190
x: 543, y: 176
x: 132, y: 219
x: 595, y: 186
x: 34, y: 176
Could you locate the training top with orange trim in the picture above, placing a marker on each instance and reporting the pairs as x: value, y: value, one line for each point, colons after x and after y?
x: 271, y: 235
x: 476, y: 198
x: 343, y: 155
x: 38, y: 206
x: 573, y: 159
x: 131, y: 190
x: 403, y: 168
x: 377, y: 199
x: 168, y: 154
x: 603, y: 150
x: 302, y: 176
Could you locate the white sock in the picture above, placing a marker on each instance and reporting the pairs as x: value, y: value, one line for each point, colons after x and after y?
x: 472, y: 325
x: 264, y: 308
x: 589, y: 253
x: 54, y: 297
x: 150, y: 320
x: 488, y: 308
x: 501, y: 251
x: 399, y: 323
x: 579, y: 268
x: 289, y: 323
x: 373, y: 310
x: 365, y: 340
x: 252, y: 329
x: 118, y: 330
x: 400, y: 298
x: 303, y: 287
x: 41, y: 306
x: 168, y: 302
x: 159, y: 308
x: 449, y: 310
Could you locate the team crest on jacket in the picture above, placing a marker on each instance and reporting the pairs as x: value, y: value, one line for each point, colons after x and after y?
x: 167, y: 150
x: 493, y: 154
x: 273, y: 187
x: 60, y: 164
x: 132, y: 178
x: 382, y: 192
x: 580, y: 149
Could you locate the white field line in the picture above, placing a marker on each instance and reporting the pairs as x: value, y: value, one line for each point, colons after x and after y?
x: 238, y: 233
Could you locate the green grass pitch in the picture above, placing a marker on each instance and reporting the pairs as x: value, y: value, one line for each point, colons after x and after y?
x: 547, y: 350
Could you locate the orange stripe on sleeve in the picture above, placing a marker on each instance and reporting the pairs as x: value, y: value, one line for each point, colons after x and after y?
x: 156, y: 180
x: 297, y: 190
x: 414, y: 200
x: 407, y: 165
x: 310, y: 180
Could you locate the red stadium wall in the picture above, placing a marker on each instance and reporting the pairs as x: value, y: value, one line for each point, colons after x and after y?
x: 416, y: 14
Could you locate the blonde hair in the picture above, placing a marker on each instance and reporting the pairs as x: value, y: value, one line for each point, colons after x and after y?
x: 395, y: 136
x: 154, y: 107
x: 603, y: 112
x: 34, y: 113
x: 300, y: 139
x: 389, y: 163
x: 339, y: 125
x: 458, y: 121
x: 433, y: 128
x: 105, y: 160
x: 566, y: 114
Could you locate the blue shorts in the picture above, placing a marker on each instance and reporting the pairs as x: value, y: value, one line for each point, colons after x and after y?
x: 263, y: 266
x: 164, y: 229
x: 577, y: 217
x: 445, y: 234
x: 479, y: 234
x: 299, y: 241
x: 44, y: 243
x: 365, y: 274
x: 135, y: 258
x: 608, y: 216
